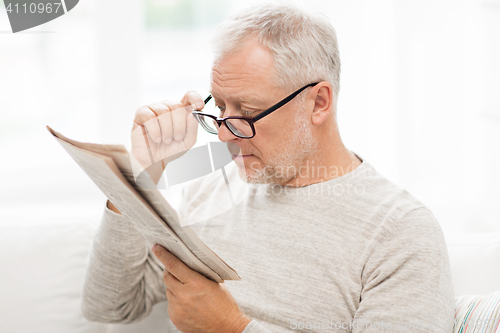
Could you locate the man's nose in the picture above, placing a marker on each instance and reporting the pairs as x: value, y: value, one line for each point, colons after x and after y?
x: 225, y: 134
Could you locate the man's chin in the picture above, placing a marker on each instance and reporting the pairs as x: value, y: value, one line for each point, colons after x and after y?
x: 254, y: 176
x: 264, y: 175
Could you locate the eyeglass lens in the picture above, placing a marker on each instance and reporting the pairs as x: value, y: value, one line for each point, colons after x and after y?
x: 239, y: 127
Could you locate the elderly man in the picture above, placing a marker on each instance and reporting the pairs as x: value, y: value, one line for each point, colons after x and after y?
x: 321, y: 240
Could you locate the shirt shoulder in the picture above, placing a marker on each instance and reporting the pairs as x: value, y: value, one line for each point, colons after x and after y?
x: 382, y: 200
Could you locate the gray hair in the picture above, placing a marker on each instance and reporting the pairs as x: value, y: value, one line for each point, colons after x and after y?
x: 304, y: 47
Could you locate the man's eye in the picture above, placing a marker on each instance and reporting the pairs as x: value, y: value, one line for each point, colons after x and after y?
x: 247, y: 113
x: 221, y: 109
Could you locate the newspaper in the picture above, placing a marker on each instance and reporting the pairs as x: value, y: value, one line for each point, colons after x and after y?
x: 112, y: 170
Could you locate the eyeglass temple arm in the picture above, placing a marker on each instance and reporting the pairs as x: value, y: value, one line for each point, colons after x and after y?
x: 283, y: 102
x: 275, y: 106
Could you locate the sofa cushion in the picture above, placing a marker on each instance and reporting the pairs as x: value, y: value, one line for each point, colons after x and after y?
x: 477, y: 313
x: 43, y: 267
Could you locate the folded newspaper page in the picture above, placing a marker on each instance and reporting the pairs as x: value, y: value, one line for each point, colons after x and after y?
x: 110, y: 167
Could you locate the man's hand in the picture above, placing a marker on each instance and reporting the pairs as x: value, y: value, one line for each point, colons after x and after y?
x: 167, y: 128
x: 195, y: 303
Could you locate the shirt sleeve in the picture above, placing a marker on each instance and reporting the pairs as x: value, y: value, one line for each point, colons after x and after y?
x: 124, y: 279
x: 406, y: 280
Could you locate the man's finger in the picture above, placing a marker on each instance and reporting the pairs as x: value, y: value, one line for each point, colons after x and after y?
x: 146, y: 117
x: 171, y: 282
x: 165, y: 121
x: 169, y: 294
x: 176, y: 267
x: 193, y: 98
x: 179, y: 122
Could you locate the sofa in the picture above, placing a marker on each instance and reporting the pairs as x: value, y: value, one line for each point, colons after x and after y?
x: 43, y: 258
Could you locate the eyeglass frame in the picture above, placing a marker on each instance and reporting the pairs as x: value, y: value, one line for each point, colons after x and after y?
x: 250, y: 121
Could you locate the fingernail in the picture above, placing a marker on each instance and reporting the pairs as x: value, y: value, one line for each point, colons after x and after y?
x: 199, y: 105
x: 154, y: 248
x: 158, y: 140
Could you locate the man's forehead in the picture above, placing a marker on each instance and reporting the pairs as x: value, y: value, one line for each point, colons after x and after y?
x: 239, y: 88
x: 242, y: 76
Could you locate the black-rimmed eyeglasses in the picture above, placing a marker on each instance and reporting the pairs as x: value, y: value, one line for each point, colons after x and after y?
x: 241, y: 127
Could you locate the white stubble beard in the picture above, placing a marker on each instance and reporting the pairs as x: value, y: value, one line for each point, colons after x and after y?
x: 283, y: 167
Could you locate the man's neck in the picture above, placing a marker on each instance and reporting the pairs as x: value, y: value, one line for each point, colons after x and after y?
x: 324, y: 165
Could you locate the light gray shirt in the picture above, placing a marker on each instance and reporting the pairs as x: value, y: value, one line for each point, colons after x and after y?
x: 352, y: 254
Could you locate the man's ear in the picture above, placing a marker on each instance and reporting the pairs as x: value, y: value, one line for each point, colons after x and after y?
x: 324, y: 102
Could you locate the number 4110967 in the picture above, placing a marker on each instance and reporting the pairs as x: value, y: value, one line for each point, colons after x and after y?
x: 33, y: 8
